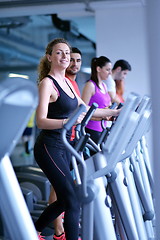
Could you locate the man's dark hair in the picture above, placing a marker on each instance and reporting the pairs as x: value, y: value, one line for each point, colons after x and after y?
x: 75, y: 50
x: 123, y: 64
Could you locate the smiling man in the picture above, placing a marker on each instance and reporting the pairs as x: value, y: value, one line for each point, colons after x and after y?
x: 74, y: 67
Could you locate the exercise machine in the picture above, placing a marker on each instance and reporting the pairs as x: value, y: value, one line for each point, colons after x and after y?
x: 105, y: 169
x: 18, y: 99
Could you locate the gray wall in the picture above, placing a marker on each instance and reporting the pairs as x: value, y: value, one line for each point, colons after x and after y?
x: 121, y: 34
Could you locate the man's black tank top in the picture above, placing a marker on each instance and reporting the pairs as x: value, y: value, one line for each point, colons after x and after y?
x: 62, y: 108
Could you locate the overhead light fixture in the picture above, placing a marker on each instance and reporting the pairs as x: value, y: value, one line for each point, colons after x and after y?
x: 18, y: 75
x: 65, y: 25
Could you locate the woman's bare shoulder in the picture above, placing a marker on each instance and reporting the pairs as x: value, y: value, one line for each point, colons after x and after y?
x: 46, y: 81
x: 90, y: 85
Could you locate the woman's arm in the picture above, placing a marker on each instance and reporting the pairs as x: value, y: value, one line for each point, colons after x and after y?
x: 104, y: 113
x: 88, y: 92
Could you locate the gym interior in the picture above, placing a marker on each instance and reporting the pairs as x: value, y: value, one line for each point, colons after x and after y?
x: 126, y: 161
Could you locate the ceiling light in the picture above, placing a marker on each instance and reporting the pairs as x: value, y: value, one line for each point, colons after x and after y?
x: 18, y: 75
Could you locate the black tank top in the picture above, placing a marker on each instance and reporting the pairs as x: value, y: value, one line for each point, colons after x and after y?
x: 62, y: 108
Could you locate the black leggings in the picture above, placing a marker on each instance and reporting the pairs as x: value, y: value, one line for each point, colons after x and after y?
x: 94, y: 135
x: 50, y: 155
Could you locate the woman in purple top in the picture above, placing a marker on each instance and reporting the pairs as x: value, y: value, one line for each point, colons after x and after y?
x: 95, y: 90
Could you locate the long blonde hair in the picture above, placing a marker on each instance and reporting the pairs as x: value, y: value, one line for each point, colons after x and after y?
x: 44, y: 65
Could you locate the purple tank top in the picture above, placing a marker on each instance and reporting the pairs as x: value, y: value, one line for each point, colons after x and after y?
x: 103, y: 100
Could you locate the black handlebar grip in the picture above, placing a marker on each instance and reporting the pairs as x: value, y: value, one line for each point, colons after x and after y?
x: 114, y: 105
x: 74, y: 116
x: 120, y: 105
x: 89, y: 114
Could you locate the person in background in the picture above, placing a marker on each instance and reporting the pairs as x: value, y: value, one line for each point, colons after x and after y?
x: 120, y: 90
x: 119, y: 73
x: 74, y: 68
x: 96, y: 91
x: 57, y: 101
x: 71, y: 74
